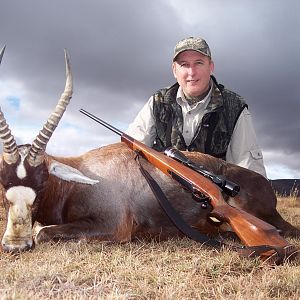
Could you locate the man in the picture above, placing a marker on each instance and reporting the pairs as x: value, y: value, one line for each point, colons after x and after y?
x: 198, y: 114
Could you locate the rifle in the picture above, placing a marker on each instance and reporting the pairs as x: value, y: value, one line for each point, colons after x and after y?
x: 229, y: 187
x: 252, y: 232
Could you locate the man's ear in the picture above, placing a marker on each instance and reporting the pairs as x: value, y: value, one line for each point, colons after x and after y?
x: 174, y: 69
x: 212, y: 67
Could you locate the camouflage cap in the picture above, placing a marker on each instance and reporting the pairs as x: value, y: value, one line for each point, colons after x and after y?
x: 192, y: 43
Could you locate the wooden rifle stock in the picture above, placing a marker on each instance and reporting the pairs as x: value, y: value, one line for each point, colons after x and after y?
x: 250, y: 230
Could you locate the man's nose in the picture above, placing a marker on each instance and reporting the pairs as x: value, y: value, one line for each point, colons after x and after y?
x: 191, y: 70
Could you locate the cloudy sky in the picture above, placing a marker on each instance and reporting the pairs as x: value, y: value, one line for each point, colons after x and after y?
x: 121, y: 53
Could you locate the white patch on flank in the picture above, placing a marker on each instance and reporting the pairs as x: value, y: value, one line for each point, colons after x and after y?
x: 69, y: 173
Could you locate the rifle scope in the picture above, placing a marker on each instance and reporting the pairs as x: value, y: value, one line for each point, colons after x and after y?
x: 228, y: 187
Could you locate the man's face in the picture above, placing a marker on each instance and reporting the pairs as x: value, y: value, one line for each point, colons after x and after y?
x: 192, y: 71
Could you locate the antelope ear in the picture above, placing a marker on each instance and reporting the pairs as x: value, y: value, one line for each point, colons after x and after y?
x: 68, y: 173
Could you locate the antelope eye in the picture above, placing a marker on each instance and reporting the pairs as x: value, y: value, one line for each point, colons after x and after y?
x: 9, y: 185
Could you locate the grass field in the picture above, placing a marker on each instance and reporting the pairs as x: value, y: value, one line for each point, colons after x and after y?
x: 176, y: 269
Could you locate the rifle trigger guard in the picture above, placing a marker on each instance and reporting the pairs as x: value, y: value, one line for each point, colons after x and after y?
x: 202, y: 199
x: 204, y: 204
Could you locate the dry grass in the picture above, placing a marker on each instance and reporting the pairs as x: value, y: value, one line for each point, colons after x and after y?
x: 178, y: 269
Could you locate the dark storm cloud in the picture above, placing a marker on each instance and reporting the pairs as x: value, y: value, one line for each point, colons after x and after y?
x: 265, y: 68
x: 112, y: 43
x: 121, y: 53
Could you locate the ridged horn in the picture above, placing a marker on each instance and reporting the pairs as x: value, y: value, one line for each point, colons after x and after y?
x: 1, y: 53
x: 10, y: 148
x: 37, y: 150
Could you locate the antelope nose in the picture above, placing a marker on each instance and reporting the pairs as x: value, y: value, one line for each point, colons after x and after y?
x: 17, y: 249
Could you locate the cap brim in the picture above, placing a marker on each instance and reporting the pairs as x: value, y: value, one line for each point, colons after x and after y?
x: 203, y: 53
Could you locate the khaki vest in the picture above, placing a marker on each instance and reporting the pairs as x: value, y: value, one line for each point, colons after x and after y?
x: 214, y: 132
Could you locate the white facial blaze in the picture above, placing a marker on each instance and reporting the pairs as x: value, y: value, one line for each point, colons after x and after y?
x: 21, y: 171
x: 18, y: 233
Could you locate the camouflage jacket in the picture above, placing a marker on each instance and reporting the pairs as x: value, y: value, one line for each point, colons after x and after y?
x: 214, y: 131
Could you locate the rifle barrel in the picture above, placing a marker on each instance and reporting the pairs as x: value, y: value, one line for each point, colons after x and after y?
x: 98, y: 120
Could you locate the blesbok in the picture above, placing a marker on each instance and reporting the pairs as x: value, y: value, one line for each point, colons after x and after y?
x: 102, y: 195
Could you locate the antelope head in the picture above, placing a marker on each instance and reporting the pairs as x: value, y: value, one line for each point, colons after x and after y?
x: 23, y: 172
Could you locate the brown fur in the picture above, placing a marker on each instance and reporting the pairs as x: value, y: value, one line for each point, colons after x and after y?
x: 121, y: 206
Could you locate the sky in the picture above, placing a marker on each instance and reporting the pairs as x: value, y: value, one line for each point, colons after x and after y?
x: 121, y: 53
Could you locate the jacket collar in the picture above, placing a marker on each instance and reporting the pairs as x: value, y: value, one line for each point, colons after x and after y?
x: 216, y: 100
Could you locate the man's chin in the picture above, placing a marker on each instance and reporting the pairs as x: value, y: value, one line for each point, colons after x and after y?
x: 194, y: 91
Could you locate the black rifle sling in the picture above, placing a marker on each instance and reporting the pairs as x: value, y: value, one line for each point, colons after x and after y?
x: 251, y: 251
x: 173, y: 214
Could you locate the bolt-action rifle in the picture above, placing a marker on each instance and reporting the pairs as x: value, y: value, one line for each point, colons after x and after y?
x: 250, y: 230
